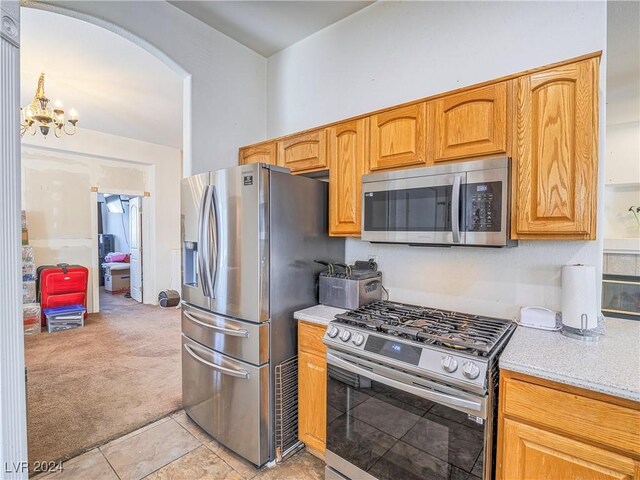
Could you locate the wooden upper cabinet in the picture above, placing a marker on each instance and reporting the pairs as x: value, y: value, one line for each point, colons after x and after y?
x: 306, y: 152
x: 347, y: 154
x: 556, y: 154
x: 470, y: 123
x: 398, y: 137
x: 260, y: 153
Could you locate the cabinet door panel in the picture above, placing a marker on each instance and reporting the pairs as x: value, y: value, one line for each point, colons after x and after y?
x: 312, y: 400
x: 471, y: 123
x: 310, y: 338
x: 304, y: 153
x: 398, y: 137
x: 535, y: 454
x: 557, y: 121
x: 263, y: 153
x: 347, y: 154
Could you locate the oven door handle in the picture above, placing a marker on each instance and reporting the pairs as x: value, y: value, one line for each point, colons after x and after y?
x: 443, y: 398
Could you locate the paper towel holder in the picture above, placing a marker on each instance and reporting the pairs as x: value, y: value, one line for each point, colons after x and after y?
x: 585, y: 334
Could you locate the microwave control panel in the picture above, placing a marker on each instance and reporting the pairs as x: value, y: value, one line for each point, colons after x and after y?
x: 483, y: 207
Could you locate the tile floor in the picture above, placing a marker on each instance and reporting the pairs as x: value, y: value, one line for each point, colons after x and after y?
x: 175, y: 448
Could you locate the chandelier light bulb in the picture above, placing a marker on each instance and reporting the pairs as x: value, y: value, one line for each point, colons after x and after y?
x: 73, y: 114
x: 57, y: 104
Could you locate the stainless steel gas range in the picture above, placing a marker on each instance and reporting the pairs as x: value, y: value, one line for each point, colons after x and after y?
x: 412, y: 393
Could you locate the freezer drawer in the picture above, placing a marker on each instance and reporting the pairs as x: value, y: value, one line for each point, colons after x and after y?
x: 227, y: 398
x: 245, y: 341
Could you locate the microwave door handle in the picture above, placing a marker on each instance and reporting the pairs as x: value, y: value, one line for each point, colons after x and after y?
x: 455, y: 208
x: 202, y: 248
x: 427, y: 394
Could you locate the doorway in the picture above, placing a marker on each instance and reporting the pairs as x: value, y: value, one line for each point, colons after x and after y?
x: 119, y: 240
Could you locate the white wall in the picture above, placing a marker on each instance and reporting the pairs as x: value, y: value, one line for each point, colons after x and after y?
x: 393, y: 52
x: 225, y: 104
x: 623, y: 153
x: 622, y: 176
x: 117, y: 224
x: 57, y: 177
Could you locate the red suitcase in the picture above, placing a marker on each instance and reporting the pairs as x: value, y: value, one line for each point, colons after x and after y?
x: 62, y: 285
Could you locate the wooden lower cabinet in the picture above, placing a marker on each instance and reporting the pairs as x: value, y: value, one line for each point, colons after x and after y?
x: 312, y: 398
x: 550, y: 431
x: 312, y: 387
x: 534, y: 453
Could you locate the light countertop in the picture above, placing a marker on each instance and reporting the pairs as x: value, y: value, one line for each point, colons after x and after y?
x: 611, y: 365
x: 320, y: 314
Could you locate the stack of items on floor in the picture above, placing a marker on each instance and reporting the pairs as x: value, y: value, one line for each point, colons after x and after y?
x: 117, y: 276
x: 63, y: 295
x: 30, y: 308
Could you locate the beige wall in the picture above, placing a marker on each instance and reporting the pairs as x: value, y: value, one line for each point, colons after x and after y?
x: 56, y: 194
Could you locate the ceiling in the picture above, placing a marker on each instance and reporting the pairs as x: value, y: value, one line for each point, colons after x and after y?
x: 269, y: 26
x: 623, y: 62
x: 116, y: 86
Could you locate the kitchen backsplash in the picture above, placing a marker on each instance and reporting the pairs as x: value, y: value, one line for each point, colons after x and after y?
x: 487, y: 281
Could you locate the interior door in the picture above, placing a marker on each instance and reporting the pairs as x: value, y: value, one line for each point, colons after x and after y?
x: 135, y: 232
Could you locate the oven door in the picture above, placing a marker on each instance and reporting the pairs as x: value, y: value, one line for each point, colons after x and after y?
x: 385, y: 424
x: 419, y: 210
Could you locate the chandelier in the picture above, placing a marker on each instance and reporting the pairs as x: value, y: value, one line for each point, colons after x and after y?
x: 38, y: 115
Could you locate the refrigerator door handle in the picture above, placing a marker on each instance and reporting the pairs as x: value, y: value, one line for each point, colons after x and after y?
x: 213, y: 217
x: 202, y: 247
x: 206, y: 237
x: 233, y: 332
x: 225, y: 371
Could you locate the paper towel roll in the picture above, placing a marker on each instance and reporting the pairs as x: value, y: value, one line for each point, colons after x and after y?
x: 579, y: 296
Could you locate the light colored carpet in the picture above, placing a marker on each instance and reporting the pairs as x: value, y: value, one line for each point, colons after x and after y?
x: 93, y: 384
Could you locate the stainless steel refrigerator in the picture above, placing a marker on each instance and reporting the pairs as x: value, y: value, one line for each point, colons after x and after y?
x: 249, y: 237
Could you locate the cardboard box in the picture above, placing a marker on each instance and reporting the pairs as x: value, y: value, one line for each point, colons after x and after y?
x: 117, y: 281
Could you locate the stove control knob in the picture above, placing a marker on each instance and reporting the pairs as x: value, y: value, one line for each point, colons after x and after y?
x: 449, y: 364
x: 358, y: 339
x: 470, y: 370
x: 345, y: 335
x: 333, y: 331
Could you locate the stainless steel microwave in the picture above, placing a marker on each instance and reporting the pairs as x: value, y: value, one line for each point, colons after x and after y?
x: 463, y: 203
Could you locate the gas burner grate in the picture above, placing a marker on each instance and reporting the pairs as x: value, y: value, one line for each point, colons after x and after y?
x: 429, y: 325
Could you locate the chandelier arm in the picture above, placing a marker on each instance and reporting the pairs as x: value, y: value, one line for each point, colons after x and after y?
x: 73, y: 132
